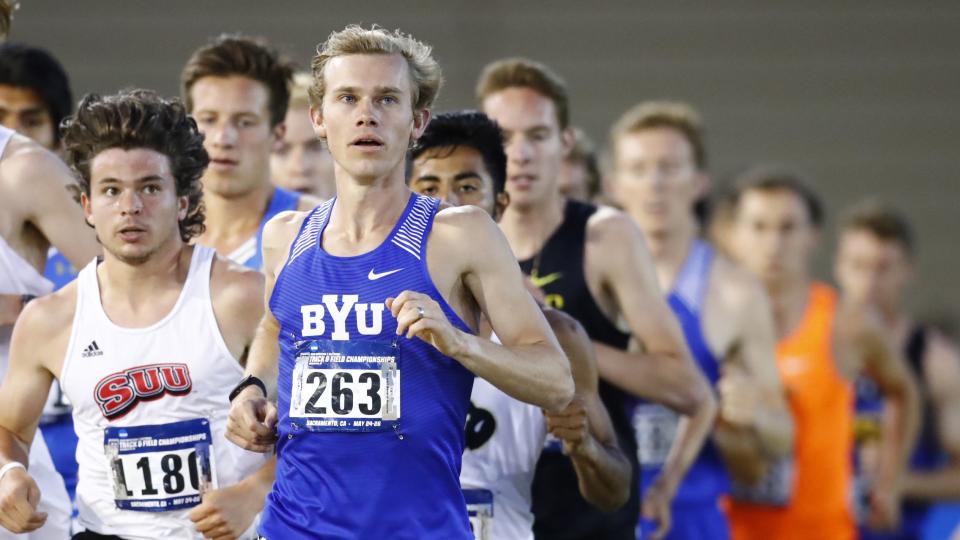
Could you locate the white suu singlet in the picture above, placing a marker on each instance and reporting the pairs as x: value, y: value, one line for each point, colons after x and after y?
x: 503, y: 443
x: 150, y: 407
x: 18, y: 277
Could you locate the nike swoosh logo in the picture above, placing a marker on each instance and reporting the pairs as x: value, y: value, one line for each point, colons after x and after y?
x: 373, y: 276
x: 542, y: 281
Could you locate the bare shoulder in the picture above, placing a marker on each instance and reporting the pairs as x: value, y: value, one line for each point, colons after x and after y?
x: 736, y: 287
x: 462, y: 227
x: 46, y: 322
x: 282, y: 228
x: 308, y: 202
x: 237, y: 286
x: 27, y: 167
x: 942, y: 364
x: 609, y: 225
x: 462, y: 217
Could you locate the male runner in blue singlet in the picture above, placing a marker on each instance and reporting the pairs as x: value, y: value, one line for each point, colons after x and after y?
x: 370, y: 406
x: 659, y: 172
x: 237, y: 88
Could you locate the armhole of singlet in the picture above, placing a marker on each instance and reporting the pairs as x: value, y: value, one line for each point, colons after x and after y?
x: 425, y: 269
x: 75, y: 325
x: 307, y: 236
x: 204, y: 279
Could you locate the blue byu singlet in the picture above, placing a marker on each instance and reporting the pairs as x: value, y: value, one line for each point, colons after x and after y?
x: 250, y: 253
x: 370, y: 424
x: 655, y: 425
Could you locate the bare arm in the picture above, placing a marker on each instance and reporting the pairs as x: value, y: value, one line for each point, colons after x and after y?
x: 38, y: 335
x: 229, y: 511
x: 603, y: 471
x: 943, y: 381
x: 253, y: 417
x: 42, y: 181
x: 529, y: 365
x: 673, y: 377
x: 237, y: 294
x: 755, y: 424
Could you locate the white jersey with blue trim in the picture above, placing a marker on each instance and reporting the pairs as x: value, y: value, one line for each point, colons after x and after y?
x: 18, y: 277
x: 150, y: 408
x: 504, y: 437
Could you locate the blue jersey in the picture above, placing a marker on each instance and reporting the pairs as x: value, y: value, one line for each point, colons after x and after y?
x: 250, y: 254
x: 707, y: 478
x: 370, y: 424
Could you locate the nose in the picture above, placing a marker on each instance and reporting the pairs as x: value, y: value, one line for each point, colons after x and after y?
x: 222, y: 135
x: 366, y: 113
x: 519, y: 151
x: 131, y: 203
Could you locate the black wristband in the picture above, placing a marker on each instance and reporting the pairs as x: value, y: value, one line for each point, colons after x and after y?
x: 249, y: 380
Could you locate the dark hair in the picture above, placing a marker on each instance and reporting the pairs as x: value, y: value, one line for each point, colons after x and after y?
x: 231, y: 54
x: 524, y: 73
x: 141, y: 119
x: 36, y: 69
x: 472, y: 129
x: 882, y: 221
x: 777, y: 178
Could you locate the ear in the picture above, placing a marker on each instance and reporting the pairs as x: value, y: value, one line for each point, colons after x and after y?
x: 183, y: 206
x: 87, y: 210
x: 279, y: 131
x: 500, y: 205
x: 420, y: 120
x: 568, y: 140
x: 316, y: 118
x: 703, y: 183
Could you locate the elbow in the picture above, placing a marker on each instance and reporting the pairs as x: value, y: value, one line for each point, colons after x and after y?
x: 610, y: 502
x: 698, y: 399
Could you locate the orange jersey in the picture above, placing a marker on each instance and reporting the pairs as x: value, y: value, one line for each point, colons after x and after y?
x: 822, y: 404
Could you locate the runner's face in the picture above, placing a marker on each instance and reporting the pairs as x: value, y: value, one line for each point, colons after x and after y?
x: 22, y: 110
x: 300, y: 161
x: 233, y: 115
x: 772, y: 234
x: 656, y: 179
x: 534, y: 143
x: 457, y: 176
x: 871, y: 270
x: 133, y: 204
x: 367, y: 116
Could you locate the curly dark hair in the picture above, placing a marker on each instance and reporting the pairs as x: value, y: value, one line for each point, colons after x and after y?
x: 141, y: 119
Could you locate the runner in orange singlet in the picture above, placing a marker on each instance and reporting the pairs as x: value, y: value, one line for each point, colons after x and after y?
x: 823, y: 345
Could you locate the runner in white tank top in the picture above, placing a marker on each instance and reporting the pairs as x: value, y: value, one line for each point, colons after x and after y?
x: 18, y: 278
x: 168, y: 381
x: 145, y: 342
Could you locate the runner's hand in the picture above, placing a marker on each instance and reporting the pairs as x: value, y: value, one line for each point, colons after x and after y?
x: 570, y: 425
x: 19, y: 497
x: 419, y: 315
x: 225, y: 513
x: 739, y: 398
x: 252, y: 423
x: 656, y: 507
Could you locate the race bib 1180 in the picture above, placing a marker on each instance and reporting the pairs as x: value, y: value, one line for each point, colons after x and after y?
x: 160, y: 467
x: 346, y: 386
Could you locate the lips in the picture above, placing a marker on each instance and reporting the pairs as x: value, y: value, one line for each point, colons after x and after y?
x: 522, y: 181
x: 367, y: 142
x: 131, y: 233
x: 223, y: 163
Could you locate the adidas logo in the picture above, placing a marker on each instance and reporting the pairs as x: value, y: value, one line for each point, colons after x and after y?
x: 92, y: 350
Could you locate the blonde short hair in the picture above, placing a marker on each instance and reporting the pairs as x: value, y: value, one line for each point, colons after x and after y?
x: 670, y: 114
x: 525, y: 73
x: 425, y: 72
x: 300, y: 90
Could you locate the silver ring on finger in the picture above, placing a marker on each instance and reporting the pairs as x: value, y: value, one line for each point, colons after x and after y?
x: 420, y: 312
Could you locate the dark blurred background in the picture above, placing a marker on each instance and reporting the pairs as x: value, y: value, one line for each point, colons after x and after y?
x: 862, y: 97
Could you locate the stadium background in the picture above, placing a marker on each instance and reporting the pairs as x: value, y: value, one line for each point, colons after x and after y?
x: 862, y: 97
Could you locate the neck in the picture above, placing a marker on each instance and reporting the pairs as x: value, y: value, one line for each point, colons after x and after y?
x: 139, y: 282
x: 789, y: 297
x: 233, y: 220
x: 364, y: 206
x: 527, y: 228
x: 669, y: 249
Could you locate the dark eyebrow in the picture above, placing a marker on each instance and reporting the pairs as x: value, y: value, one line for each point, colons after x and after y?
x: 141, y: 180
x: 426, y: 178
x: 387, y: 90
x: 467, y: 175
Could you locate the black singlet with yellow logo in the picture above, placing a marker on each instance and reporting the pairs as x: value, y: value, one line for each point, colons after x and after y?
x: 561, y: 512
